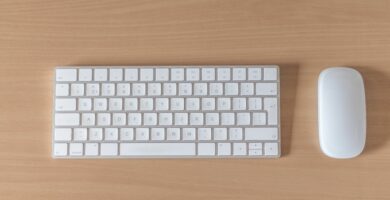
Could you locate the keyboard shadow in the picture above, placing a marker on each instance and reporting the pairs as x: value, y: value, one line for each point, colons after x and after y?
x: 288, y: 87
x: 377, y: 85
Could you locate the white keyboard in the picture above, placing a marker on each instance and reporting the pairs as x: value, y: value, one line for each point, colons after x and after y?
x: 169, y: 112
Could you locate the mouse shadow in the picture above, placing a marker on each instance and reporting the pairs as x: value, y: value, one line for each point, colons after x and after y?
x: 288, y: 90
x: 377, y: 85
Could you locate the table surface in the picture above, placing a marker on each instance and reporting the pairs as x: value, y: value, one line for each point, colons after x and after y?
x: 303, y: 37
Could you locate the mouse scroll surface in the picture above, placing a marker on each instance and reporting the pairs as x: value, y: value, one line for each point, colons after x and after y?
x: 341, y: 112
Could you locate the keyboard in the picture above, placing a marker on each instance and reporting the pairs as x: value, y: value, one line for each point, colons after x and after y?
x: 166, y: 112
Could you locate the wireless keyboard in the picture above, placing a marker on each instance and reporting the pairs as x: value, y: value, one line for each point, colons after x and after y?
x: 166, y: 112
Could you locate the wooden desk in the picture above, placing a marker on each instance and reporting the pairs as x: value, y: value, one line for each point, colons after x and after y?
x: 303, y: 37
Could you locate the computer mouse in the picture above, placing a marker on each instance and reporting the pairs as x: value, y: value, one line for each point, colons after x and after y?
x: 341, y: 112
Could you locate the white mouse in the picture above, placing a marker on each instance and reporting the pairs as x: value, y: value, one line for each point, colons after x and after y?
x: 341, y: 112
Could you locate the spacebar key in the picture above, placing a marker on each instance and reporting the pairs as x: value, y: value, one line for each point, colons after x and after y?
x: 157, y: 149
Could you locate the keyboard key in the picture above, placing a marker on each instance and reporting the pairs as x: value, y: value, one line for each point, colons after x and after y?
x: 62, y: 134
x: 131, y: 74
x: 193, y: 74
x: 239, y: 74
x: 173, y: 134
x: 66, y: 74
x: 227, y: 119
x: 258, y: 119
x: 208, y: 104
x: 131, y: 104
x: 146, y: 74
x: 206, y: 149
x: 150, y: 119
x: 235, y: 133
x: 157, y: 149
x: 65, y: 104
x: 200, y: 89
x: 185, y: 89
x: 85, y: 104
x: 220, y: 134
x: 239, y: 149
x: 109, y: 149
x: 192, y: 104
x: 196, y: 119
x: 87, y: 119
x: 142, y: 134
x: 270, y: 74
x: 255, y: 152
x: 91, y: 149
x: 266, y: 89
x: 231, y: 88
x: 243, y: 118
x: 146, y: 104
x: 80, y: 134
x: 60, y: 149
x: 208, y: 74
x: 162, y: 103
x: 165, y: 119
x: 154, y: 89
x: 224, y: 104
x: 223, y: 74
x: 85, y: 74
x: 100, y: 104
x: 103, y: 119
x: 189, y: 133
x: 134, y: 119
x: 108, y: 89
x: 239, y: 103
x: 119, y: 119
x: 93, y: 89
x: 224, y: 149
x: 76, y: 149
x: 181, y: 119
x: 212, y: 119
x: 139, y: 89
x: 204, y: 133
x: 169, y: 89
x: 247, y: 89
x: 126, y: 134
x: 261, y: 133
x: 177, y: 104
x: 177, y: 74
x: 162, y: 74
x: 271, y: 149
x: 254, y: 74
x: 115, y: 104
x: 116, y: 74
x: 158, y: 134
x: 111, y: 134
x: 67, y: 119
x: 123, y: 89
x: 100, y: 75
x: 62, y: 89
x: 216, y: 88
x: 255, y: 103
x: 271, y: 106
x: 257, y: 145
x: 95, y: 134
x: 77, y: 89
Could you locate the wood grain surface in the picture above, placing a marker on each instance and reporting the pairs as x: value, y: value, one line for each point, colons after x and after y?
x: 302, y: 36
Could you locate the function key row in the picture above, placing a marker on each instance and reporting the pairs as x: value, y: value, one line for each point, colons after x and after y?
x: 167, y: 74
